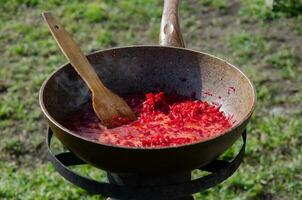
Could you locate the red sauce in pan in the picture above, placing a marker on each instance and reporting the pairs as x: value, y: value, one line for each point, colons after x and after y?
x: 163, y: 120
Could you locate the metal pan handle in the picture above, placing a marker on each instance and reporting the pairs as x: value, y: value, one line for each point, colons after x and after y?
x: 170, y: 34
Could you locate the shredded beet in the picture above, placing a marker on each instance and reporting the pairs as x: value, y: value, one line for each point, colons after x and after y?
x: 163, y: 120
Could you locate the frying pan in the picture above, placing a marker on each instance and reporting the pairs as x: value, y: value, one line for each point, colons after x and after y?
x: 141, y: 69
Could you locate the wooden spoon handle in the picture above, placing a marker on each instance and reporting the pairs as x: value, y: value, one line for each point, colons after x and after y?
x: 170, y: 34
x: 74, y: 54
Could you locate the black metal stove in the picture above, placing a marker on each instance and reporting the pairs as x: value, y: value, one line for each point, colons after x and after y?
x: 146, y: 187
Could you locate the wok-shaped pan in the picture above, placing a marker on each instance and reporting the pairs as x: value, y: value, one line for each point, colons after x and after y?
x: 141, y: 69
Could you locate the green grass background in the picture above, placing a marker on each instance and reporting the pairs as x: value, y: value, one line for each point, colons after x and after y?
x: 265, y: 44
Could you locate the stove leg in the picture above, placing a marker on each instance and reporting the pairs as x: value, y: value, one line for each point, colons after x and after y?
x: 186, y: 198
x: 140, y: 181
x: 183, y: 198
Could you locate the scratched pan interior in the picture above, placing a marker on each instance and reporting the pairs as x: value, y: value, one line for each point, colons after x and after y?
x: 139, y: 69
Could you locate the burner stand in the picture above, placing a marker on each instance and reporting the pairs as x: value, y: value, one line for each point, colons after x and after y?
x: 141, y: 181
x: 177, y: 186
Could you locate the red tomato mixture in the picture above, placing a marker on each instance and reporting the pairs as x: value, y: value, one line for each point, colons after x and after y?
x: 163, y: 120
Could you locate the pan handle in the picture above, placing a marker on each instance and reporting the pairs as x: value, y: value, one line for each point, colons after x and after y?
x: 170, y: 34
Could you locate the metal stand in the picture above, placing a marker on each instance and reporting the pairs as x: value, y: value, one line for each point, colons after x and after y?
x: 140, y: 181
x: 146, y: 187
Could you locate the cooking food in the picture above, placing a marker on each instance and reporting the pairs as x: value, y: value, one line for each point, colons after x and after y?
x: 163, y: 120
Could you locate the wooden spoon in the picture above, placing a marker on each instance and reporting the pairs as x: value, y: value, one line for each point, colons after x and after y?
x: 106, y: 104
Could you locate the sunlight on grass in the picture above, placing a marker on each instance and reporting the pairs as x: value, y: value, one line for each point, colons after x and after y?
x: 264, y: 42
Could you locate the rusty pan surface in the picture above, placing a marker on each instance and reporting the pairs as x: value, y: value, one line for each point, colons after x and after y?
x: 141, y: 69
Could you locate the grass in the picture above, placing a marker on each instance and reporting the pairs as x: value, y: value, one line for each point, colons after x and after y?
x: 257, y: 10
x: 246, y: 45
x: 285, y: 60
x: 265, y: 44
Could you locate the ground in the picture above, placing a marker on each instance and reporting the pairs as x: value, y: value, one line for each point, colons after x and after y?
x: 265, y: 45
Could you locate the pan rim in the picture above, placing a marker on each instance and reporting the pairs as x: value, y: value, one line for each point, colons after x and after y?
x: 209, y: 139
